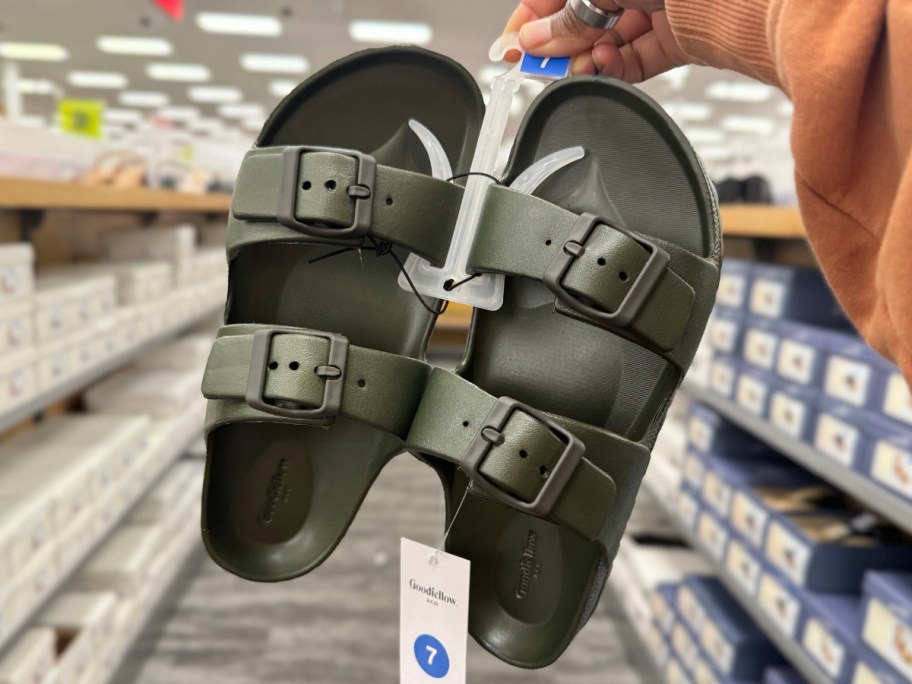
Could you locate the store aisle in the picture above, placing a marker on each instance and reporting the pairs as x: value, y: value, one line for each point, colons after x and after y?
x: 339, y: 624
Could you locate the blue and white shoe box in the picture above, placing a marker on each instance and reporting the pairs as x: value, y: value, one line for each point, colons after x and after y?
x: 728, y: 636
x: 886, y: 623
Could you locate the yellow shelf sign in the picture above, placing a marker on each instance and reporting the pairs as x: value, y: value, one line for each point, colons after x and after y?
x: 82, y: 117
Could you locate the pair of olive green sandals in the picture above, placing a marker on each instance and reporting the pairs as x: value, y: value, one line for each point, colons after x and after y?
x: 318, y: 378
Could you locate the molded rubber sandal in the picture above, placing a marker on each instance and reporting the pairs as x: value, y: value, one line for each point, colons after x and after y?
x: 314, y: 381
x: 612, y: 270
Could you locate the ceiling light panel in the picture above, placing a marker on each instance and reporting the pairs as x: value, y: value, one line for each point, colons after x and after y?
x: 115, y: 115
x: 185, y: 73
x: 737, y: 91
x: 700, y: 136
x: 134, y: 45
x: 179, y: 113
x: 239, y: 24
x: 414, y: 33
x: 280, y: 87
x: 214, y: 94
x: 97, y: 79
x: 689, y: 111
x: 40, y: 52
x: 205, y: 125
x: 246, y: 110
x: 35, y: 86
x: 142, y: 98
x: 755, y: 125
x: 274, y: 64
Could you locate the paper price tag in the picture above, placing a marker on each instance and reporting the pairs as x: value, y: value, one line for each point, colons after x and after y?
x: 433, y: 615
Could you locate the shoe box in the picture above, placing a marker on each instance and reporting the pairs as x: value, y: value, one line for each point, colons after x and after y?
x: 726, y: 330
x: 17, y: 267
x: 723, y: 373
x: 728, y: 636
x: 735, y: 284
x: 83, y: 624
x: 708, y: 431
x: 175, y: 245
x: 753, y: 391
x: 871, y: 669
x: 793, y: 409
x: 829, y: 550
x: 761, y: 343
x: 30, y: 659
x: 676, y: 673
x: 829, y: 634
x: 796, y: 294
x: 886, y: 623
x: 743, y: 565
x: 804, y: 351
x: 781, y: 602
x: 782, y: 675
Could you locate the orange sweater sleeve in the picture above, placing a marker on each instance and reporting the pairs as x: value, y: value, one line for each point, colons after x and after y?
x: 847, y: 67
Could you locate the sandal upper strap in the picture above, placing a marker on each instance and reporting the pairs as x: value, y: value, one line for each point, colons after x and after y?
x: 310, y: 377
x: 600, y: 272
x: 337, y: 196
x: 539, y: 463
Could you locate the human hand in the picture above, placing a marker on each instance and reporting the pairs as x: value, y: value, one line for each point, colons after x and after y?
x: 640, y: 46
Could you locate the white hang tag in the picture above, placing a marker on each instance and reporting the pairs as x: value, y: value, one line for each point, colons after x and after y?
x: 433, y: 615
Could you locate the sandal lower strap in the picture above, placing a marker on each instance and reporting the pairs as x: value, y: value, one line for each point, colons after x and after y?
x: 600, y: 272
x: 336, y: 196
x: 310, y: 377
x: 538, y: 463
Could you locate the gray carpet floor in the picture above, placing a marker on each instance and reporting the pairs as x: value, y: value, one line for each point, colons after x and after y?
x: 338, y: 625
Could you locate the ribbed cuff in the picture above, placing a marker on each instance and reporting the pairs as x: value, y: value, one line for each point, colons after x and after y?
x: 727, y: 34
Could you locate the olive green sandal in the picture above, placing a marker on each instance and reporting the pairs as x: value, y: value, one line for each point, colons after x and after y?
x: 611, y: 273
x: 315, y: 378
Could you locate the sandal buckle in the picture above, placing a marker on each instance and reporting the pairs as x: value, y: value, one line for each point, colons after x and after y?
x: 491, y: 433
x: 332, y: 372
x: 639, y: 292
x: 361, y: 192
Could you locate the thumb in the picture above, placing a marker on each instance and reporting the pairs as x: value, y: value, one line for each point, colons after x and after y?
x: 559, y: 35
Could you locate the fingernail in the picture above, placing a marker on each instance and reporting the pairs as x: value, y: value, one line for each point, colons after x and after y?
x: 536, y: 33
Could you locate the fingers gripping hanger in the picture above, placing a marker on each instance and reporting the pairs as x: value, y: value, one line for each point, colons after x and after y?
x: 484, y: 291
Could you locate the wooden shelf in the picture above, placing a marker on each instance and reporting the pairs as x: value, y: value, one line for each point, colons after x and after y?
x: 19, y: 193
x: 760, y: 221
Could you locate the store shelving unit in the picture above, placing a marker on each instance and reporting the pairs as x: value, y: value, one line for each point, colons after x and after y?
x: 789, y: 649
x: 22, y: 193
x: 874, y: 497
x: 67, y: 573
x: 44, y: 399
x: 762, y: 221
x: 638, y: 651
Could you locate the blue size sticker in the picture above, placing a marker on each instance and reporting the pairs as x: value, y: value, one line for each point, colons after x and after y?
x: 552, y: 67
x: 432, y: 656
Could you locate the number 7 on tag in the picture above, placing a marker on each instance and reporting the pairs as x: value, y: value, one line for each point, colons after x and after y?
x: 434, y: 615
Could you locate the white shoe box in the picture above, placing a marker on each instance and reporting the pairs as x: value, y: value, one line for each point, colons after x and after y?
x: 123, y: 563
x: 31, y: 658
x: 18, y: 378
x: 137, y: 282
x: 213, y: 235
x: 187, y: 353
x: 17, y: 326
x: 59, y: 461
x: 17, y: 265
x: 25, y: 528
x: 67, y: 301
x: 90, y: 614
x: 74, y: 542
x: 175, y: 245
x: 160, y: 394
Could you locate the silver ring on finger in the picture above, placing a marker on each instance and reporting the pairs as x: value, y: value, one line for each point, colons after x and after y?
x: 594, y: 16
